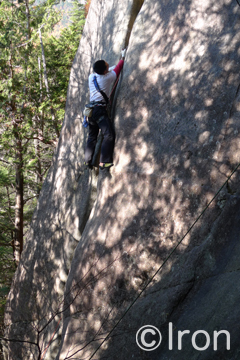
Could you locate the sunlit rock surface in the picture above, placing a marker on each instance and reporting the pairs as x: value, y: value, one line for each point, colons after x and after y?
x: 35, y: 304
x: 177, y: 124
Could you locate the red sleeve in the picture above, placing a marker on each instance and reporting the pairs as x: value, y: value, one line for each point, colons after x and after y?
x: 118, y: 67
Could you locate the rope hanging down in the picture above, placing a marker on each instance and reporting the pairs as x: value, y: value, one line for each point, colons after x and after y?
x: 49, y: 343
x: 165, y: 261
x: 111, y: 100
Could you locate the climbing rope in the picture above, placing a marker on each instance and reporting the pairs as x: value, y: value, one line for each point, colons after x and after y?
x: 49, y: 343
x: 114, y: 87
x: 164, y: 262
x: 113, y: 96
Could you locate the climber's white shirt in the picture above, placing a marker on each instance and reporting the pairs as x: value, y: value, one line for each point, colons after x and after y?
x: 105, y: 83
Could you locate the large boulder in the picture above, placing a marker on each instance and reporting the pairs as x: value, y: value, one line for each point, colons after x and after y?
x: 160, y: 245
x: 34, y: 308
x: 177, y: 124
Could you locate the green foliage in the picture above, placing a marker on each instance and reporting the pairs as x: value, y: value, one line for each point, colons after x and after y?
x: 28, y: 133
x: 7, y: 266
x: 60, y: 52
x: 3, y: 176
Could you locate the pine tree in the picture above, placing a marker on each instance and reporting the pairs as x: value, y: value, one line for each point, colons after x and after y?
x: 31, y: 113
x: 21, y: 113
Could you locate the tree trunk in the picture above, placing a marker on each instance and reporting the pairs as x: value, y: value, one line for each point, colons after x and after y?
x: 39, y: 175
x: 39, y: 126
x: 18, y: 241
x: 46, y: 83
x: 28, y: 20
x: 10, y: 219
x: 18, y: 238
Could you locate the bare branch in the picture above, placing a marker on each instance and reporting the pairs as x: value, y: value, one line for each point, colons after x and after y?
x: 48, y: 142
x: 1, y: 159
x: 32, y: 197
x: 27, y: 42
x: 19, y: 341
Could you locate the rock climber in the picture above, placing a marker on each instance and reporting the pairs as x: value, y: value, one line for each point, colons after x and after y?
x: 105, y: 78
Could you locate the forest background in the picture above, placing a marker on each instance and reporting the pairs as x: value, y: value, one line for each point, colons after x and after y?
x: 38, y: 42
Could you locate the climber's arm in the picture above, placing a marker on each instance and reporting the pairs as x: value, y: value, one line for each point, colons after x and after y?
x: 119, y: 67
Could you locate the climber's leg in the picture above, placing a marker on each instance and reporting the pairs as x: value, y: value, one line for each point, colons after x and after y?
x: 108, y: 139
x: 91, y: 142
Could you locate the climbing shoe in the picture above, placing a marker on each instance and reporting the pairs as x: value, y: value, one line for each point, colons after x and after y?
x: 89, y: 165
x: 106, y: 166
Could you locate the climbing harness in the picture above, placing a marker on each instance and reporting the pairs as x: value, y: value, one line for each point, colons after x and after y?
x: 87, y: 112
x: 89, y: 107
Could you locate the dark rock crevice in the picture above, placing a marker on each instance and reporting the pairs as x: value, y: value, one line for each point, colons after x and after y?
x: 136, y: 7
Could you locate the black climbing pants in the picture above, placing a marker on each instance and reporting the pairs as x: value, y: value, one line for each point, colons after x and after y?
x: 100, y: 120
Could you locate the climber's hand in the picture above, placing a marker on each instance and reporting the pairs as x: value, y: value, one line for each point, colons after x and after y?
x: 123, y: 52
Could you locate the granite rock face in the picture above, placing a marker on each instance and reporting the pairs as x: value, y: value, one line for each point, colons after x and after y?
x: 34, y: 308
x: 177, y: 124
